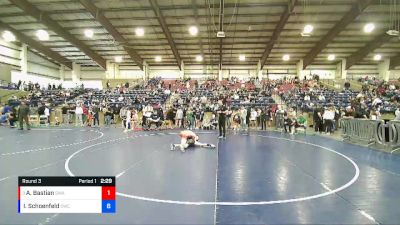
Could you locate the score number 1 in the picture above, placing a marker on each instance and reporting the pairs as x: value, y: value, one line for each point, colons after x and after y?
x: 108, y: 199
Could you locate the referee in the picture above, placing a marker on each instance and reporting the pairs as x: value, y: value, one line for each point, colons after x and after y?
x: 222, y: 111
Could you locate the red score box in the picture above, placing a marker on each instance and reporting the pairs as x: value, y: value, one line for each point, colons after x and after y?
x: 108, y: 193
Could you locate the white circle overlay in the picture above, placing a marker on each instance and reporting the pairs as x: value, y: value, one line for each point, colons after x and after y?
x: 247, y: 203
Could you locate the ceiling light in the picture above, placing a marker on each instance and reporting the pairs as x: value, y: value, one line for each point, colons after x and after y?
x: 308, y: 28
x: 139, y: 32
x: 42, y: 35
x: 286, y: 57
x: 158, y: 58
x: 193, y: 30
x: 8, y: 36
x: 199, y: 58
x: 369, y: 27
x: 331, y: 57
x: 377, y: 57
x: 118, y: 59
x: 242, y: 57
x: 89, y: 33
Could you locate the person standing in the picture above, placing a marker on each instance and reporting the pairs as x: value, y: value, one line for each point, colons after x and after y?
x: 263, y: 119
x: 328, y: 117
x: 179, y: 118
x: 243, y: 114
x: 78, y: 115
x: 190, y: 119
x: 96, y: 111
x: 134, y: 119
x: 397, y: 114
x: 23, y: 115
x: 64, y: 112
x: 128, y: 115
x: 318, y: 120
x: 85, y: 114
x: 222, y: 111
x: 47, y: 113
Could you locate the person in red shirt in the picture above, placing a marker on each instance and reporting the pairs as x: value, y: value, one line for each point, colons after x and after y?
x: 85, y: 114
x: 190, y: 139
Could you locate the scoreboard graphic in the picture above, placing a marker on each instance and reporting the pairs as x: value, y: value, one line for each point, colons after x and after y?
x: 66, y: 195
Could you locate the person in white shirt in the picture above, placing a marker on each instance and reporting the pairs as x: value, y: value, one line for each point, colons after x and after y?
x: 376, y: 101
x: 307, y: 98
x: 127, y: 120
x: 243, y: 115
x: 78, y: 115
x: 203, y: 99
x: 121, y: 98
x: 167, y: 92
x: 397, y: 114
x: 329, y: 117
x: 146, y: 113
x: 47, y: 113
x: 253, y: 117
x: 179, y: 118
x: 321, y: 97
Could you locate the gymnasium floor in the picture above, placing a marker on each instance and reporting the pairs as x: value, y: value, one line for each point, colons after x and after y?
x: 256, y: 178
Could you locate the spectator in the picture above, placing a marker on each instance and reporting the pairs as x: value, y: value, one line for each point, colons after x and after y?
x: 190, y: 119
x: 318, y: 120
x: 78, y: 115
x: 179, y: 118
x: 128, y: 117
x: 397, y: 114
x: 263, y: 119
x: 96, y: 111
x: 155, y: 119
x: 329, y: 116
x: 135, y: 119
x: 253, y: 117
x: 243, y: 120
x: 289, y: 121
x: 349, y: 113
x: 108, y: 116
x: 23, y: 115
x: 47, y: 113
x: 301, y: 122
x: 64, y: 112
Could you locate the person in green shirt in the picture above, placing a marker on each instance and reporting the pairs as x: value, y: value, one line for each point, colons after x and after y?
x: 190, y: 119
x: 301, y: 121
x: 23, y: 114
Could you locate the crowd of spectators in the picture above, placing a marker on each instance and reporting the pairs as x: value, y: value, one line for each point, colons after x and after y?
x: 328, y: 106
x: 194, y: 105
